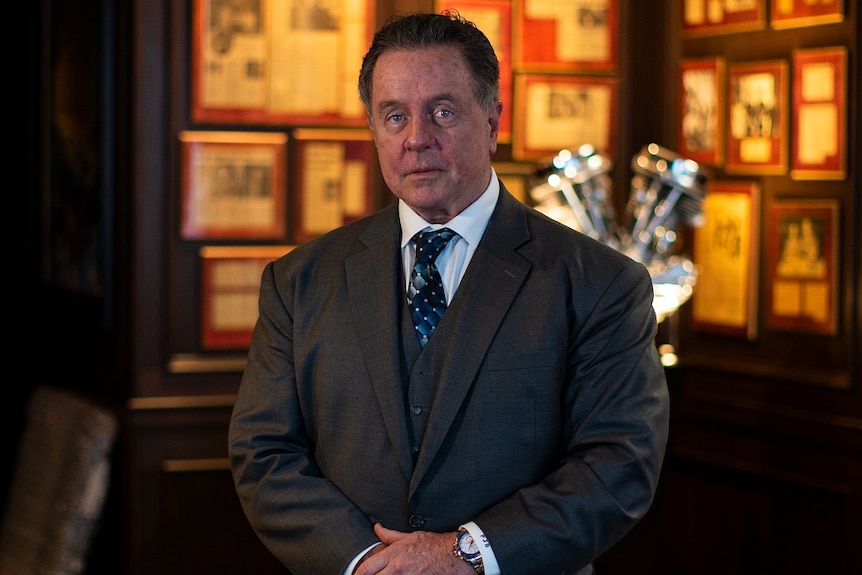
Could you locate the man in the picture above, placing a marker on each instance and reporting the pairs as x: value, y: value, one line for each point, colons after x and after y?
x: 531, y: 422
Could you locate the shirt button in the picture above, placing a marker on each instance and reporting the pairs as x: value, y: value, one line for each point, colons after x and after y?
x: 416, y: 409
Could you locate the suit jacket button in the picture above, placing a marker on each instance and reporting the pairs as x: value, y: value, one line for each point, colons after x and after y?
x: 416, y: 409
x: 417, y: 521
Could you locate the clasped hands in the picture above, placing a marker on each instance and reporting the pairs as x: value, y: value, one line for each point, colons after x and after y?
x: 414, y: 553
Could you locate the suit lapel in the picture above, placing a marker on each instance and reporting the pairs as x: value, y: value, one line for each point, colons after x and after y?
x: 372, y: 283
x: 491, y: 283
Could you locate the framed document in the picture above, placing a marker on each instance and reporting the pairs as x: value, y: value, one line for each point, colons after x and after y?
x: 701, y: 120
x: 230, y: 287
x: 233, y: 185
x: 571, y: 36
x: 555, y: 111
x: 803, y: 258
x: 757, y: 117
x: 702, y: 17
x: 494, y: 18
x: 252, y: 61
x: 333, y: 179
x: 726, y: 249
x: 798, y: 13
x: 819, y: 140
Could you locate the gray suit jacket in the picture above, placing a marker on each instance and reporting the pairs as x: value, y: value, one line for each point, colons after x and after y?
x: 550, y: 411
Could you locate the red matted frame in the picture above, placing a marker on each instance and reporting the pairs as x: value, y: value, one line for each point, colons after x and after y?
x: 230, y: 288
x: 757, y: 117
x: 803, y: 266
x: 819, y: 140
x: 726, y: 248
x: 233, y: 185
x: 705, y: 17
x: 701, y: 118
x: 574, y: 36
x: 333, y: 178
x: 494, y: 18
x: 251, y: 64
x: 798, y: 13
x: 557, y: 111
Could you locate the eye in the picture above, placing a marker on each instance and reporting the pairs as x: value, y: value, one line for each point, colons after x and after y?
x: 395, y: 118
x: 443, y: 113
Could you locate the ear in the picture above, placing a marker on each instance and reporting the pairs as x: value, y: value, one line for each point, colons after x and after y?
x: 494, y: 124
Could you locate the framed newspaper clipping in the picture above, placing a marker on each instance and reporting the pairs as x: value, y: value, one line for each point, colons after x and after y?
x: 333, y: 179
x: 230, y: 287
x: 233, y: 185
x: 252, y: 61
x: 819, y: 139
x: 572, y: 36
x: 557, y: 111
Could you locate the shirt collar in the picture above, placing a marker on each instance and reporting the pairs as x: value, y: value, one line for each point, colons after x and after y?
x: 470, y: 224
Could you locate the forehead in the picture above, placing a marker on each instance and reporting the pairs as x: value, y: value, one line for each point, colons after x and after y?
x: 417, y: 70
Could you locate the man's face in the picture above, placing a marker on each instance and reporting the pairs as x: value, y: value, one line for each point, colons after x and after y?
x: 433, y: 139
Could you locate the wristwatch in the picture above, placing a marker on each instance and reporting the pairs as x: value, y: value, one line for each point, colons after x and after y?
x: 467, y: 550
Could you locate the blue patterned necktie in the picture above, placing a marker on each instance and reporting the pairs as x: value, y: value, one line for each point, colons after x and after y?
x: 425, y: 292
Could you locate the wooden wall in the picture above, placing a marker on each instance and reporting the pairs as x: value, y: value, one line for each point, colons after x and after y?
x: 764, y: 468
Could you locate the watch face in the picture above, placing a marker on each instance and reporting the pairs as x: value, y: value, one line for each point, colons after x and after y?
x: 467, y: 545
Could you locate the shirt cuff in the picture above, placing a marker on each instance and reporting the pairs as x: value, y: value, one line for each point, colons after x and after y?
x: 489, y: 560
x: 352, y: 566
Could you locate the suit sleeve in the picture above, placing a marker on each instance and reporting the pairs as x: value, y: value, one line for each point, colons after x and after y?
x: 307, y: 523
x: 618, y: 409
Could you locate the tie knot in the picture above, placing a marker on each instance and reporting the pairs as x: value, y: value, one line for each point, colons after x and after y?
x: 430, y: 243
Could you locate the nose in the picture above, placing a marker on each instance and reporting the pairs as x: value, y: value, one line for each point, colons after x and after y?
x: 420, y: 134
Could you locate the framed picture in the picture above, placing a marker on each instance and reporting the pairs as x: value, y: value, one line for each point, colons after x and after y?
x: 757, y: 117
x: 703, y: 17
x: 230, y: 287
x: 726, y: 249
x: 251, y: 61
x: 819, y: 139
x: 803, y: 258
x: 494, y: 18
x: 516, y: 177
x: 701, y: 119
x: 572, y: 36
x: 797, y: 13
x: 555, y: 111
x: 334, y: 173
x: 233, y: 185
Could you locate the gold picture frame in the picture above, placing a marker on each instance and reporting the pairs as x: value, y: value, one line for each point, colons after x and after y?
x: 726, y: 248
x: 784, y: 14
